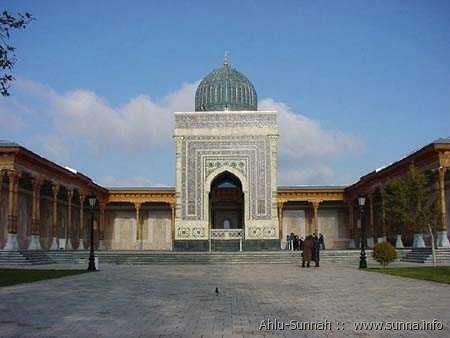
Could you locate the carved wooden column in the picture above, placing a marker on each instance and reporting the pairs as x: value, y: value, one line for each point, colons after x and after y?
x: 351, y: 226
x: 35, y: 214
x: 1, y: 193
x: 371, y: 232
x: 383, y: 216
x: 55, y: 235
x: 315, y: 205
x: 137, y: 206
x: 442, y: 235
x: 101, y: 225
x: 280, y: 207
x: 81, y: 228
x: 68, y: 228
x: 172, y: 224
x: 11, y: 240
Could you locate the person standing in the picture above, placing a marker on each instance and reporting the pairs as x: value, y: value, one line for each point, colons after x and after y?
x: 300, y: 243
x: 308, y: 246
x: 316, y: 251
x: 321, y: 242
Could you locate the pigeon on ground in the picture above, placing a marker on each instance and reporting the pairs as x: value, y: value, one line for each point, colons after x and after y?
x: 217, y: 291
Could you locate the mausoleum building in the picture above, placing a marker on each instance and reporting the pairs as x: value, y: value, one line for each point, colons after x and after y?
x: 225, y: 197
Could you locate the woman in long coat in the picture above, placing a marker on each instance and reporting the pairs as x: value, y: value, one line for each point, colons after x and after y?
x: 308, y: 246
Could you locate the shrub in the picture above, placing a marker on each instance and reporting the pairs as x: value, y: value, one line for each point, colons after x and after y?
x: 384, y: 253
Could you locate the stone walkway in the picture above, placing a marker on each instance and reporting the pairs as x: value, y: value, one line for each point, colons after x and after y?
x: 180, y: 300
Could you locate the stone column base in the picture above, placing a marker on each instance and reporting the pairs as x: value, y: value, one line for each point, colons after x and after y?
x: 101, y: 245
x: 11, y: 242
x: 442, y: 239
x: 54, y: 245
x: 399, y: 242
x: 418, y: 241
x: 351, y: 244
x: 69, y: 244
x: 81, y: 246
x: 35, y: 243
x: 370, y: 242
x: 381, y: 239
x: 62, y: 244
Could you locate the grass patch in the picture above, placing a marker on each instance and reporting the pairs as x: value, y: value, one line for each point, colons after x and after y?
x: 18, y: 276
x: 439, y: 274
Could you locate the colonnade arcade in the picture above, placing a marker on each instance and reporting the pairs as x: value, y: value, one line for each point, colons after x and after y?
x: 38, y: 212
x: 378, y: 230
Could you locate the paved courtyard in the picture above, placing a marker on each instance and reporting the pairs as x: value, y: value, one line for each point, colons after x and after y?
x: 180, y: 300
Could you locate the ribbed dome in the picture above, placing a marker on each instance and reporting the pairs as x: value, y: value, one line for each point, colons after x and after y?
x: 225, y: 89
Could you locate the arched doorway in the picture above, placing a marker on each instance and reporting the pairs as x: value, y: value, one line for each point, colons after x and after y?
x: 226, y: 202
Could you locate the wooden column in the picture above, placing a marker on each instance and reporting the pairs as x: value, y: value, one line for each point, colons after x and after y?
x: 1, y: 192
x: 81, y: 229
x: 101, y: 220
x: 442, y: 197
x: 172, y: 224
x: 371, y: 223
x: 137, y: 206
x: 280, y: 206
x: 35, y: 206
x: 55, y: 190
x: 351, y: 220
x: 383, y: 214
x: 315, y: 205
x: 12, y: 201
x: 69, y: 216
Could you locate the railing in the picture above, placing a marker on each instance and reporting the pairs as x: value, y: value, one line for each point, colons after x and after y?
x: 226, y: 234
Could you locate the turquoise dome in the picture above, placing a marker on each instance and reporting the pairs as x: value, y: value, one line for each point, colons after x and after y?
x: 225, y: 89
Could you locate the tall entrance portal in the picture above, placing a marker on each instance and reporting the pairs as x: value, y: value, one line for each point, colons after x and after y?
x: 226, y: 165
x: 226, y: 201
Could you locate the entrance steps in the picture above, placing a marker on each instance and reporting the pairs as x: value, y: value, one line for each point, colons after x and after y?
x: 344, y: 257
x: 424, y: 255
x: 26, y: 257
x: 163, y: 257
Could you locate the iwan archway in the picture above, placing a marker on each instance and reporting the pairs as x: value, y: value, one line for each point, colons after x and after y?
x: 226, y: 202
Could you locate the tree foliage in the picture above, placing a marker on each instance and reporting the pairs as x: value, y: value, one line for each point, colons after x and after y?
x: 8, y: 23
x: 395, y: 205
x: 411, y: 202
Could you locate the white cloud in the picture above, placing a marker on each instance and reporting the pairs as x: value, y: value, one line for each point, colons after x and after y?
x: 82, y: 119
x: 306, y: 149
x: 302, y: 137
x: 10, y: 121
x: 140, y: 124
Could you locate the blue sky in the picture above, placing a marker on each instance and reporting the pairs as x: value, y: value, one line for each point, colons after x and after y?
x: 358, y: 83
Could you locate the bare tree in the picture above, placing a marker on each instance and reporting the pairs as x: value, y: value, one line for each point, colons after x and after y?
x: 8, y: 23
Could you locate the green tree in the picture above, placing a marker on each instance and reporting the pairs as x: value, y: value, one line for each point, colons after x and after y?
x: 423, y: 204
x: 395, y: 206
x: 8, y: 23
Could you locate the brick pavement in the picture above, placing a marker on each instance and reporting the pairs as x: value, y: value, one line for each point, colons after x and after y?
x: 179, y: 300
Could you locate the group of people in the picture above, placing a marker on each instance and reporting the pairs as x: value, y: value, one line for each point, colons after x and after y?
x: 310, y: 247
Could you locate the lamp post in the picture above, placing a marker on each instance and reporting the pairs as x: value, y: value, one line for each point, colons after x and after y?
x: 91, y: 267
x: 362, y: 258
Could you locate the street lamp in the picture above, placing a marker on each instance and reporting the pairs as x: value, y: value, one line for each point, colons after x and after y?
x: 92, y: 199
x: 362, y: 258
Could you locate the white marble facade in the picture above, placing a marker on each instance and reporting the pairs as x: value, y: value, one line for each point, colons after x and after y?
x: 243, y: 143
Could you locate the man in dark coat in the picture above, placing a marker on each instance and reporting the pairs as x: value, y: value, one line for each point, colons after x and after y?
x: 316, y: 251
x: 308, y: 246
x: 321, y: 242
